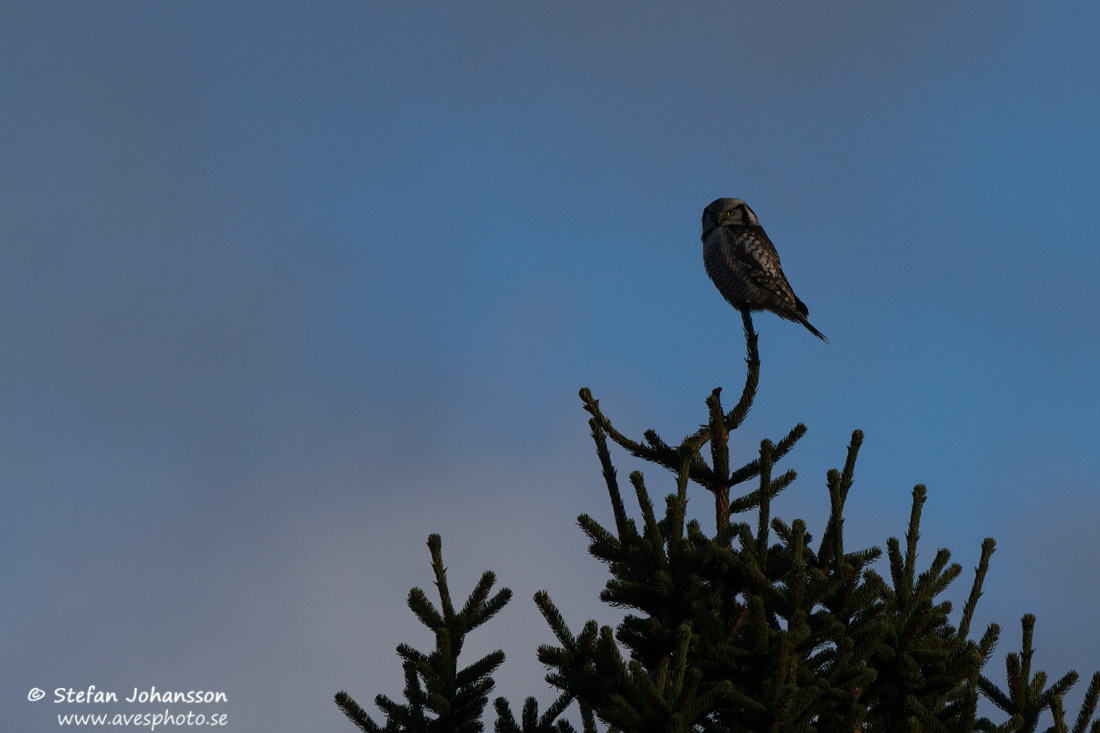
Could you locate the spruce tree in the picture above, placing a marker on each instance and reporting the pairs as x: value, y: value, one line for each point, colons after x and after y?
x: 752, y: 627
x: 440, y: 698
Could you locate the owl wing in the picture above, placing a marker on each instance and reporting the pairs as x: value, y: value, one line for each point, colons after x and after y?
x: 756, y: 253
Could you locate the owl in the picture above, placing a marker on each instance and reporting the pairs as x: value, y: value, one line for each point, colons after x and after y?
x: 744, y: 265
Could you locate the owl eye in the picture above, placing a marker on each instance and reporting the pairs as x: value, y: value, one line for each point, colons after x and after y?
x: 729, y: 213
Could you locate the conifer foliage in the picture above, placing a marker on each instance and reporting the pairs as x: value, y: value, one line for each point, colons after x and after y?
x: 440, y: 697
x: 754, y: 627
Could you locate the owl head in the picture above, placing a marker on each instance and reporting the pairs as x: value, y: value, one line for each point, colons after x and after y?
x: 728, y: 212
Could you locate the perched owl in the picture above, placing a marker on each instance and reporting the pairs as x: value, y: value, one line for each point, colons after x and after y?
x: 744, y: 265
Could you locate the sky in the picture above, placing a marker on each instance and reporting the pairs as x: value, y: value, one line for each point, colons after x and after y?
x: 287, y: 287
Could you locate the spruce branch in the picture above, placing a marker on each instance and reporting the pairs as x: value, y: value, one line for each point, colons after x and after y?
x: 752, y: 381
x: 752, y: 468
x: 355, y: 713
x: 439, y: 696
x: 839, y: 483
x: 685, y: 460
x: 1059, y: 713
x: 1088, y: 706
x: 1027, y: 696
x: 720, y: 459
x: 912, y: 536
x: 988, y: 547
x: 531, y: 721
x: 764, y: 512
x: 638, y: 450
x: 609, y: 474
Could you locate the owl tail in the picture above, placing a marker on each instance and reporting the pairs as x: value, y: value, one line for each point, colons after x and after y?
x: 813, y: 330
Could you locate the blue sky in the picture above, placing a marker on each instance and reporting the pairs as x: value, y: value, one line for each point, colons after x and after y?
x: 284, y: 288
